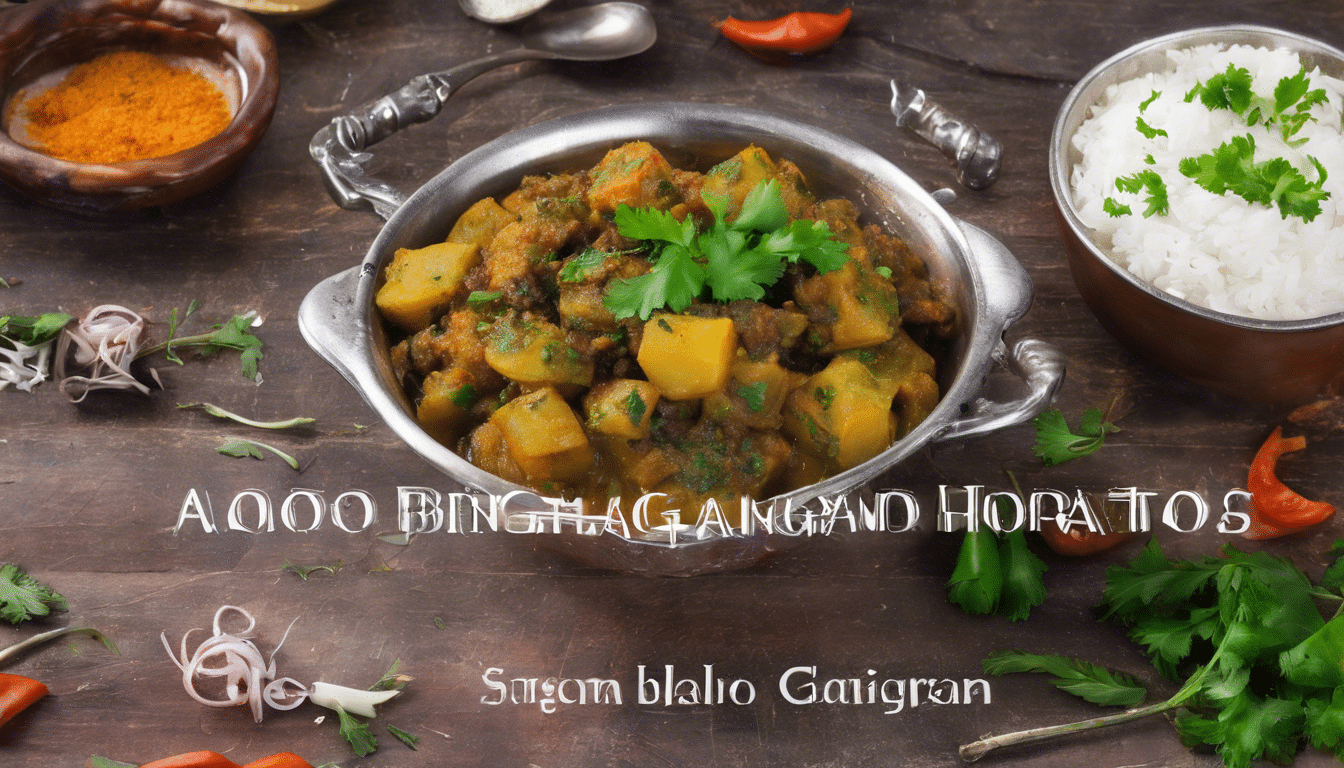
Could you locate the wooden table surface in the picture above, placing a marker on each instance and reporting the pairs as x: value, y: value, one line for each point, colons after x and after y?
x: 89, y: 494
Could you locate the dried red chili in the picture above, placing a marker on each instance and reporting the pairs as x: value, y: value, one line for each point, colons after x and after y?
x: 1276, y: 509
x: 798, y: 32
x: 17, y: 693
x: 1079, y: 541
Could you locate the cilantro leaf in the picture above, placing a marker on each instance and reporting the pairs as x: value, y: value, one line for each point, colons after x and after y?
x: 673, y: 282
x: 22, y: 597
x: 1148, y: 101
x: 1229, y: 90
x: 1334, y: 574
x: 1114, y: 209
x: 977, y: 582
x: 239, y: 449
x: 1148, y: 131
x: 1324, y: 725
x: 733, y: 272
x: 1081, y: 678
x: 235, y: 334
x: 1056, y: 444
x: 1023, y: 588
x: 1274, y: 182
x: 357, y: 732
x: 762, y: 209
x: 1149, y: 181
x: 653, y: 224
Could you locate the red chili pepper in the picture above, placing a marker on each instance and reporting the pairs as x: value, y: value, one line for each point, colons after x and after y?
x: 1276, y: 509
x: 1079, y: 541
x: 798, y: 32
x: 17, y: 693
x: 280, y: 760
x: 203, y: 759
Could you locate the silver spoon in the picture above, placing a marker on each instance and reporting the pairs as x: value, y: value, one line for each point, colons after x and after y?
x: 592, y: 33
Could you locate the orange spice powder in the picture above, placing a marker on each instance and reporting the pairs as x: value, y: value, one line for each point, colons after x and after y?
x: 126, y: 106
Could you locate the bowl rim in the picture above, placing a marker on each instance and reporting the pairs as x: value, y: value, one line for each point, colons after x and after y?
x: 236, y: 31
x: 992, y: 311
x: 1060, y: 169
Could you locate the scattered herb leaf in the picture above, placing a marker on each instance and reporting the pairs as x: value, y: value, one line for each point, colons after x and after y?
x: 22, y: 597
x: 410, y: 740
x: 357, y: 732
x: 304, y: 571
x: 1056, y: 444
x: 1081, y: 678
x: 240, y: 448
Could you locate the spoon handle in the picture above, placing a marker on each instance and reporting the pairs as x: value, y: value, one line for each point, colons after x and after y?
x: 976, y: 154
x: 338, y: 147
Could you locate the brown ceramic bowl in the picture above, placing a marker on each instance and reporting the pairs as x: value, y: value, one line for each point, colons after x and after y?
x: 222, y: 43
x: 1276, y: 361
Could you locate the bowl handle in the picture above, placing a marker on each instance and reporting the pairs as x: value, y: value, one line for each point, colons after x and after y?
x: 338, y: 147
x: 326, y: 316
x: 1038, y: 364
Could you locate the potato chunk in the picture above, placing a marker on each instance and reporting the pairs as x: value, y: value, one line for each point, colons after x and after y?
x: 633, y: 174
x: 621, y: 408
x: 755, y: 393
x: 479, y: 224
x: 421, y: 282
x: 534, y: 353
x: 843, y: 413
x: 443, y: 408
x: 544, y: 437
x: 687, y: 357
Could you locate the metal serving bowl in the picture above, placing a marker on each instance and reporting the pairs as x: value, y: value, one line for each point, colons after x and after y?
x: 984, y: 281
x: 223, y: 44
x: 1282, y: 361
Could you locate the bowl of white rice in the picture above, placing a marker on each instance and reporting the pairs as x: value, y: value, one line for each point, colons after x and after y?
x: 1199, y: 179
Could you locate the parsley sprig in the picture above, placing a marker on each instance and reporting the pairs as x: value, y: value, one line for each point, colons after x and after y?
x: 1289, y: 109
x: 1261, y: 667
x: 22, y: 597
x: 1274, y: 182
x: 734, y: 260
x: 1056, y: 443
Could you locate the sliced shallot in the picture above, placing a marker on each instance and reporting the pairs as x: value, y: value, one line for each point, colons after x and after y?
x: 105, y: 343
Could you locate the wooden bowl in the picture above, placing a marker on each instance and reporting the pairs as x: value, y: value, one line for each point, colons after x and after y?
x: 43, y: 38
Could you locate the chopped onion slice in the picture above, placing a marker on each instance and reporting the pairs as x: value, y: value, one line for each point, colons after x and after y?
x: 17, y: 370
x: 248, y: 678
x: 105, y: 343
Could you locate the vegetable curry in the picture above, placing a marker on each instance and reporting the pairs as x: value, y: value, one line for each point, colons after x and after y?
x: 526, y: 354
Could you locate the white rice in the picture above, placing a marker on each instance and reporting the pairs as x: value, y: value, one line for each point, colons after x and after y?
x: 1220, y: 252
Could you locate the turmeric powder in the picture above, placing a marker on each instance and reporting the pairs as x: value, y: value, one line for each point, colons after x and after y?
x: 125, y: 106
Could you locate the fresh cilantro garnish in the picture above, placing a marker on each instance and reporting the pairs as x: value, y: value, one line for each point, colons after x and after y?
x: 885, y: 272
x: 357, y: 732
x: 1148, y: 101
x: 1110, y: 206
x: 1289, y: 108
x: 1080, y: 678
x: 997, y: 574
x: 22, y: 597
x: 1149, y: 181
x: 635, y: 407
x: 736, y: 260
x: 1261, y: 668
x: 392, y: 679
x: 1056, y: 444
x: 754, y: 394
x: 825, y: 396
x: 1274, y: 182
x: 239, y: 448
x: 1148, y: 131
